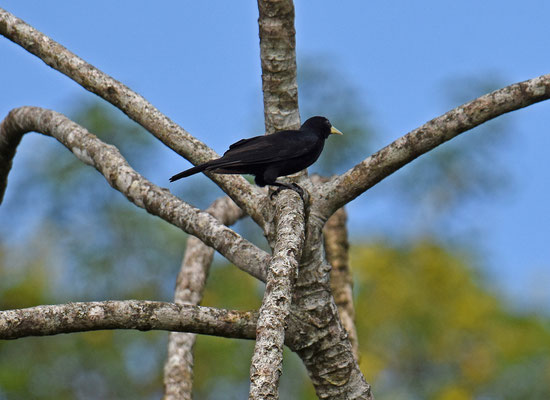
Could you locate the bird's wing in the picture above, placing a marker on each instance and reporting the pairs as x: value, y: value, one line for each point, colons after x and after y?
x: 243, y: 142
x: 271, y: 148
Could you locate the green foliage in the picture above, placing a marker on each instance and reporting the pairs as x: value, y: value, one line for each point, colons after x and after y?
x: 429, y: 329
x: 89, y: 243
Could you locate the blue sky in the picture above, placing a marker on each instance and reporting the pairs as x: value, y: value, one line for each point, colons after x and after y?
x: 198, y: 62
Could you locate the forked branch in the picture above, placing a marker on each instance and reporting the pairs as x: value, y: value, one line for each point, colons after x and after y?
x: 110, y: 163
x: 133, y: 105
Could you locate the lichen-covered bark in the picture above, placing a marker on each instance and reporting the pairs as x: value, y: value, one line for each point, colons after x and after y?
x: 285, y: 229
x: 178, y: 369
x: 108, y: 160
x: 341, y: 280
x: 320, y: 339
x: 128, y: 314
x: 313, y: 327
x: 346, y: 187
x: 278, y: 55
x: 267, y: 360
x: 133, y: 105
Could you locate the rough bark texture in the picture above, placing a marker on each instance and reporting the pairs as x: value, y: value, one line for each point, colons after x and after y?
x: 133, y: 105
x: 278, y: 55
x: 346, y: 187
x: 314, y: 328
x: 108, y: 160
x: 341, y: 282
x: 129, y: 314
x: 267, y: 360
x: 178, y: 369
x: 322, y: 342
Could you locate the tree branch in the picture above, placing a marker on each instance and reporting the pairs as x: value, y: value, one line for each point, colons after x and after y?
x: 315, y: 331
x: 178, y: 369
x: 286, y: 232
x: 340, y: 190
x: 267, y: 360
x: 108, y: 160
x: 128, y: 314
x: 341, y: 282
x: 133, y: 105
x: 278, y: 56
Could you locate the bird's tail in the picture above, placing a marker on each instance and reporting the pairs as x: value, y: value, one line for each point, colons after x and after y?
x: 189, y: 172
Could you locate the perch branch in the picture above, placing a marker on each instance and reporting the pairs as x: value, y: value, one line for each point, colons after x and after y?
x: 266, y: 367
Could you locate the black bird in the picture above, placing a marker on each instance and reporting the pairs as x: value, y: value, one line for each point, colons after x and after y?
x: 271, y: 156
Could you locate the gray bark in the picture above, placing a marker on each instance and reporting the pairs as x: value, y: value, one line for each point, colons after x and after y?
x: 278, y: 56
x: 322, y: 343
x: 132, y: 104
x: 341, y: 283
x: 315, y: 329
x: 342, y: 189
x: 285, y: 231
x: 129, y: 314
x: 110, y: 163
x: 267, y: 360
x: 178, y: 369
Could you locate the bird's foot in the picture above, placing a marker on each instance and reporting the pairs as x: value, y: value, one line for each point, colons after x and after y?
x: 292, y: 186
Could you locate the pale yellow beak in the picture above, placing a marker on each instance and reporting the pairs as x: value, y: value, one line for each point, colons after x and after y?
x: 335, y: 131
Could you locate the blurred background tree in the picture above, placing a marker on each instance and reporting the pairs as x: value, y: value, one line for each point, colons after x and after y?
x: 430, y: 325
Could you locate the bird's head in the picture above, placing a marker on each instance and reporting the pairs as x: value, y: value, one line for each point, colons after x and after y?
x: 320, y: 125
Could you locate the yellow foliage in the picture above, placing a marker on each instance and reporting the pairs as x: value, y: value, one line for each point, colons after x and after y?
x: 425, y: 321
x: 454, y: 393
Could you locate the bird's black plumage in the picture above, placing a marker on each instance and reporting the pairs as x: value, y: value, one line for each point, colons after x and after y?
x: 271, y: 156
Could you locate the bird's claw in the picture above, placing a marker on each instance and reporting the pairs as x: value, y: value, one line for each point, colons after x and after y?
x: 295, y: 187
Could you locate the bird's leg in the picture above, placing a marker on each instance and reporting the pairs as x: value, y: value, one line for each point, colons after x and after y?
x: 292, y: 186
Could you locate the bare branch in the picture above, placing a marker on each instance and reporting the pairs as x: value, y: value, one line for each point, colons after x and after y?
x: 315, y: 331
x: 108, y: 160
x: 128, y: 314
x: 178, y: 369
x: 278, y: 55
x: 267, y: 360
x: 133, y: 105
x: 341, y: 282
x: 344, y: 188
x: 286, y: 233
